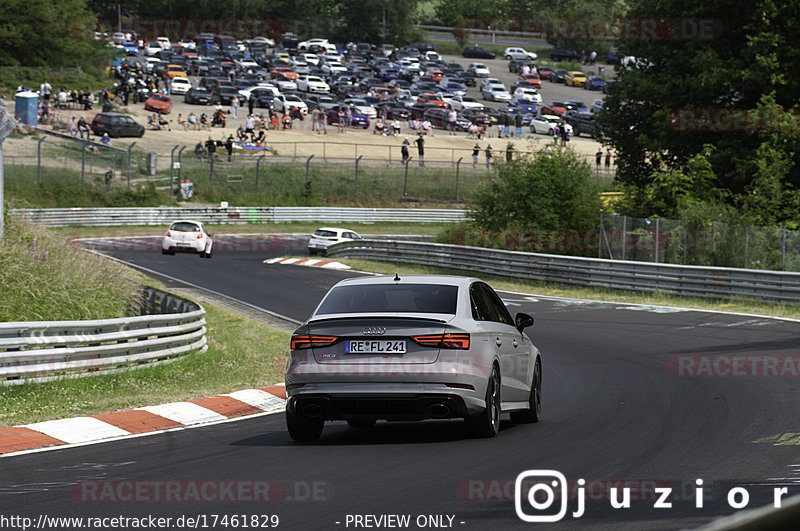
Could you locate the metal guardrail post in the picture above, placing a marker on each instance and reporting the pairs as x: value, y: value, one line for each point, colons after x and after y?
x: 308, y: 168
x: 657, y: 237
x: 359, y: 158
x: 211, y: 159
x: 180, y: 152
x: 783, y: 246
x: 258, y: 168
x: 129, y: 163
x: 405, y: 178
x: 746, y: 245
x: 39, y: 161
x: 458, y: 178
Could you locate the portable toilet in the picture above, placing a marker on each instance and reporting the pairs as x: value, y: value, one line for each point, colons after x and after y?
x: 27, y: 107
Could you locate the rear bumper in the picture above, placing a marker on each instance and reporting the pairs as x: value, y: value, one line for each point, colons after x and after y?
x: 419, y: 406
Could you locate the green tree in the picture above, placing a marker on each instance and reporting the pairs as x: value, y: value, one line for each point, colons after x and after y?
x: 543, y: 191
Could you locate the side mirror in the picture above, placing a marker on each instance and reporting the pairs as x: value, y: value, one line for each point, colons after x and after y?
x: 523, y: 321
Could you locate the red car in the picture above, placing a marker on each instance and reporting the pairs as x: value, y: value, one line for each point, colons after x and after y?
x: 157, y: 102
x: 533, y: 79
x: 284, y: 71
x: 431, y: 97
x: 556, y: 108
x: 435, y: 74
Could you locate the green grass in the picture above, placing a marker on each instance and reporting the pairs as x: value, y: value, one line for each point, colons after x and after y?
x: 13, y: 76
x: 44, y: 279
x: 242, y: 354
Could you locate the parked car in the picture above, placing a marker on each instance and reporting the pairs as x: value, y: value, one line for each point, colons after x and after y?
x: 477, y: 52
x: 411, y: 348
x: 495, y: 93
x: 198, y: 96
x: 518, y: 54
x: 224, y: 94
x: 557, y: 76
x: 324, y: 237
x: 172, y: 71
x: 476, y: 116
x: 430, y: 97
x: 284, y: 102
x: 116, y: 125
x: 575, y: 105
x: 180, y: 85
x: 594, y: 83
x: 187, y: 236
x: 357, y: 120
x: 597, y: 106
x: 581, y: 122
x: 130, y: 48
x: 545, y: 124
x: 555, y: 108
x: 439, y: 118
x: 465, y: 102
x: 559, y: 55
x: 312, y: 84
x: 157, y: 102
x: 574, y: 78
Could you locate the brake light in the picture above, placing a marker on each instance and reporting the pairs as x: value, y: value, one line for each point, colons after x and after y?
x: 303, y: 341
x: 169, y: 235
x: 455, y: 341
x: 199, y: 235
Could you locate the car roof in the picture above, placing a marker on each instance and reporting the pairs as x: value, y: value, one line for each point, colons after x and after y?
x: 187, y: 221
x: 448, y: 280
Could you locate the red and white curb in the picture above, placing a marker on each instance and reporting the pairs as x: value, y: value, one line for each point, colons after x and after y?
x: 142, y: 421
x: 313, y: 262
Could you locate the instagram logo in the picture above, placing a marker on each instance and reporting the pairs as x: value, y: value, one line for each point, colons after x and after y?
x: 538, y: 489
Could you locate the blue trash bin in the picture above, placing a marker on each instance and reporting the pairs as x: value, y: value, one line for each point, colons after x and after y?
x: 27, y: 107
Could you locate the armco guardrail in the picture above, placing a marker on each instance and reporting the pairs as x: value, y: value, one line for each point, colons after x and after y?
x: 695, y: 281
x: 97, y: 217
x: 39, y: 351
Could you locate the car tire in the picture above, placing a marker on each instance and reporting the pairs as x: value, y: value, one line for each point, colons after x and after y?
x: 201, y: 254
x: 508, y: 57
x: 141, y: 133
x: 164, y: 251
x: 550, y: 132
x: 361, y: 423
x: 303, y: 429
x: 487, y: 424
x: 534, y: 400
x: 208, y: 254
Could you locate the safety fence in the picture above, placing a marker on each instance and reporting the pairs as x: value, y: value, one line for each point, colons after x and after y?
x: 167, y: 327
x: 695, y: 281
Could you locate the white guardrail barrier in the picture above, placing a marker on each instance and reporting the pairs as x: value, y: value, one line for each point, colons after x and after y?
x: 98, y: 217
x: 694, y: 281
x: 38, y: 351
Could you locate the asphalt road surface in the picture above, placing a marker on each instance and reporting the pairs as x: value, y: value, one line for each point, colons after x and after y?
x: 633, y: 396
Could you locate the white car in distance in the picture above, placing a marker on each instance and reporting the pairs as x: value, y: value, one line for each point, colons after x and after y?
x: 327, y: 236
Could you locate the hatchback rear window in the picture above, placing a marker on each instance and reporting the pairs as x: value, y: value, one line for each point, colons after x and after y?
x: 185, y: 227
x: 395, y: 298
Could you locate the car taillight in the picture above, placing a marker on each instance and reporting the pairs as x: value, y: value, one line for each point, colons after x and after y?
x: 455, y: 341
x: 169, y: 235
x: 199, y: 235
x: 301, y: 342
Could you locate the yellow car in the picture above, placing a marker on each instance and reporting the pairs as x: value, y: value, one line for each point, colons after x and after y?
x: 575, y: 79
x: 283, y: 57
x: 173, y: 71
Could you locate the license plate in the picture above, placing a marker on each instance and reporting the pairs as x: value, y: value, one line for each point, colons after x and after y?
x: 375, y: 346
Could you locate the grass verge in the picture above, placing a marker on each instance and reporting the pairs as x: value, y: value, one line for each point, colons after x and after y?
x: 242, y: 354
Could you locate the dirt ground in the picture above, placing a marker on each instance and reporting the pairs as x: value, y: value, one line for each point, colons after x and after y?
x: 301, y: 141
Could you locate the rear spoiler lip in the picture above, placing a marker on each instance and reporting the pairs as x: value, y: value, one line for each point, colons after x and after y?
x: 318, y: 320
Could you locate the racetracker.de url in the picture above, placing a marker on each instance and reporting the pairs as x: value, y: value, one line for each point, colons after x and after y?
x: 198, y: 521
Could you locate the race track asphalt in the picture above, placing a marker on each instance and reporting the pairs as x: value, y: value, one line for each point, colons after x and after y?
x: 633, y: 396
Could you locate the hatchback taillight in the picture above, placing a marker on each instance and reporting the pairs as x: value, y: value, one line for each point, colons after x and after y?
x: 455, y: 341
x: 300, y: 342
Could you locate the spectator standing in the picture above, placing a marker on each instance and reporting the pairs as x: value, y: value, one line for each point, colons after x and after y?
x: 598, y: 158
x: 452, y: 117
x: 315, y: 120
x: 250, y: 126
x: 211, y: 148
x: 229, y: 144
x: 488, y: 155
x: 476, y: 150
x: 420, y: 141
x: 506, y: 124
x: 564, y: 135
x: 404, y: 150
x: 608, y: 160
x: 518, y: 124
x: 45, y: 89
x: 592, y: 57
x: 235, y: 107
x: 556, y: 134
x: 251, y: 103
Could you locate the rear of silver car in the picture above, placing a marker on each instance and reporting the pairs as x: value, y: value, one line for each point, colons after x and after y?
x: 384, y: 349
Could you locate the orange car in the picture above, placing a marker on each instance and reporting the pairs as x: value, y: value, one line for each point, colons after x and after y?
x: 436, y: 75
x: 430, y: 97
x: 175, y: 71
x: 533, y: 79
x: 157, y: 102
x: 382, y: 93
x: 284, y: 71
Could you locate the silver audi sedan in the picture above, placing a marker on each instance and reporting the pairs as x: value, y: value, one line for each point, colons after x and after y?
x: 411, y: 348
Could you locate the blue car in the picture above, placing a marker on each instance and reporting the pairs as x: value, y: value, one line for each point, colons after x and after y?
x: 575, y: 105
x: 525, y: 106
x: 131, y: 48
x: 594, y: 83
x: 526, y: 117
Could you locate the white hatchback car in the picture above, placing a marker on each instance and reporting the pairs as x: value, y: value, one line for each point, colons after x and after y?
x: 187, y: 236
x: 519, y: 54
x: 180, y: 85
x: 546, y: 124
x: 327, y: 236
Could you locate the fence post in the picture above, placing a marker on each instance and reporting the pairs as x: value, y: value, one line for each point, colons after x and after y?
x: 600, y: 238
x: 39, y: 161
x: 359, y: 158
x: 624, y: 234
x: 172, y: 169
x: 405, y: 178
x: 657, y: 231
x: 129, y: 163
x: 308, y: 166
x: 458, y: 178
x: 83, y: 160
x: 180, y: 168
x: 783, y: 246
x: 258, y: 168
x: 211, y: 158
x: 746, y: 245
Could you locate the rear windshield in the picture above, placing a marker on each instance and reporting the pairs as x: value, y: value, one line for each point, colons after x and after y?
x: 402, y: 298
x: 185, y: 227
